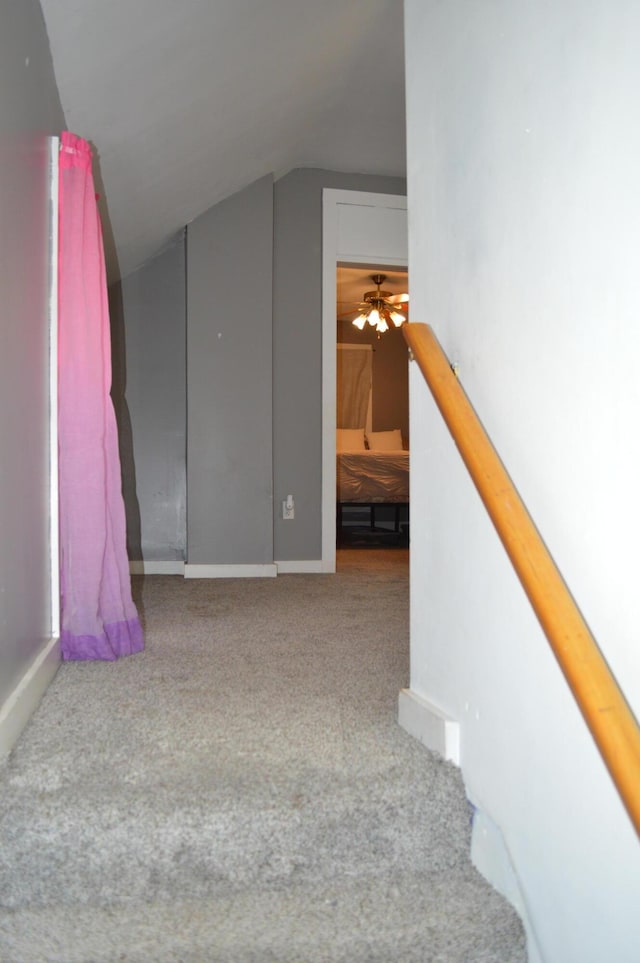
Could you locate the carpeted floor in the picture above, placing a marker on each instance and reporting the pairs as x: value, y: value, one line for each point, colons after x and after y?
x: 241, y: 791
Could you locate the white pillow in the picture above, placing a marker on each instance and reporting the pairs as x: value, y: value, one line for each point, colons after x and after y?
x: 385, y: 440
x: 350, y: 439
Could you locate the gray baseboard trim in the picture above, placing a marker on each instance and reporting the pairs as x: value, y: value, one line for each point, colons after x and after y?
x: 429, y: 724
x: 267, y: 570
x: 25, y: 698
x: 142, y: 567
x: 312, y: 566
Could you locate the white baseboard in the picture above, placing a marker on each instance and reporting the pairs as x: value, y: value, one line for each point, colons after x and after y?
x: 25, y: 698
x: 429, y: 724
x: 313, y: 566
x: 140, y: 567
x: 491, y: 857
x: 268, y: 570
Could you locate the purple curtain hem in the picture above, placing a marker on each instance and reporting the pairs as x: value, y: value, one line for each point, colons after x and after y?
x: 118, y: 639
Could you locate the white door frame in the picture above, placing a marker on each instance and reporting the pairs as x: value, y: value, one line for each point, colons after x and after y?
x: 357, y: 228
x: 54, y: 161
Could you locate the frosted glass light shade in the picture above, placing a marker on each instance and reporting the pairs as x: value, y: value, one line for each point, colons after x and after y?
x: 374, y: 317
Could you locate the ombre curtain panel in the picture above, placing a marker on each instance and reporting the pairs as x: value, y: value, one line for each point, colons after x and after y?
x: 98, y: 617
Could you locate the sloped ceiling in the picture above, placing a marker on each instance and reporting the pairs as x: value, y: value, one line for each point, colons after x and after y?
x: 188, y: 101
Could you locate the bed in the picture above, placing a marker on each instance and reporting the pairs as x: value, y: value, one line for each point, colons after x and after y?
x: 372, y: 478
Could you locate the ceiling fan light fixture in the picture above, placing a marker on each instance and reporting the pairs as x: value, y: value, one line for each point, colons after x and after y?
x: 377, y: 308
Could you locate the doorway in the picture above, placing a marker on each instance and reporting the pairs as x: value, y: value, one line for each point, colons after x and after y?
x: 358, y: 229
x: 372, y: 427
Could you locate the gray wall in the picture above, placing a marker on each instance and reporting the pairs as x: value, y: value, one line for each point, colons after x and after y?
x: 149, y: 395
x: 254, y: 334
x: 297, y: 350
x: 29, y: 110
x: 229, y: 295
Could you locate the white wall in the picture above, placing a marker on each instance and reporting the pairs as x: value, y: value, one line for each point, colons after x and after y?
x: 524, y: 215
x: 29, y: 111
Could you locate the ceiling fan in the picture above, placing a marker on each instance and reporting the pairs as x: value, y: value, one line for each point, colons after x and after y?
x: 379, y: 308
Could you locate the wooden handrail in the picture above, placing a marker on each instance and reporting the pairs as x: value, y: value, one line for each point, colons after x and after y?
x: 601, y: 702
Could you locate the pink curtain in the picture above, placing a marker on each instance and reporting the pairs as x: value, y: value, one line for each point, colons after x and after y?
x: 99, y: 619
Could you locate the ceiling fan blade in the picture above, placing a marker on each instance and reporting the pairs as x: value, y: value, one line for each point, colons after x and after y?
x: 399, y: 298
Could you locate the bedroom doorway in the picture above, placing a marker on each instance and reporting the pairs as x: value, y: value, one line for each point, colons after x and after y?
x: 372, y: 412
x: 359, y: 229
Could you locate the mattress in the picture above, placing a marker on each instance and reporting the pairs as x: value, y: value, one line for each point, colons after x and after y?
x: 372, y: 476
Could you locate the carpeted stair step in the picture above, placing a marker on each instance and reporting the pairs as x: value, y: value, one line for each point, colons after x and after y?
x: 231, y: 831
x: 403, y: 918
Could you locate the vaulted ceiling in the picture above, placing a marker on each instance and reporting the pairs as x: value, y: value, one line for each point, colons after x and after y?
x: 188, y: 101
